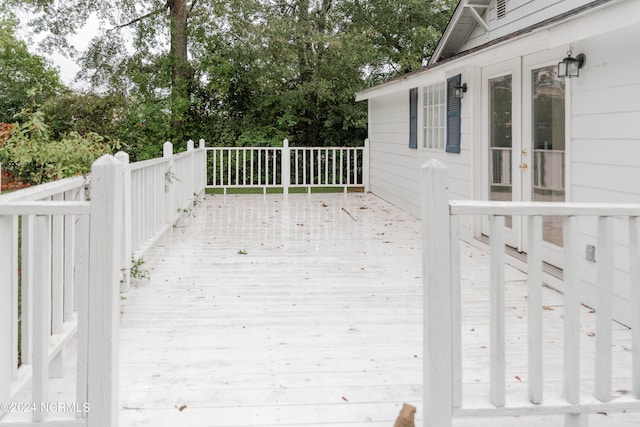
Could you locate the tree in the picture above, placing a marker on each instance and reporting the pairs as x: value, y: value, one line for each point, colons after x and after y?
x: 401, y: 34
x: 108, y: 59
x: 247, y: 71
x: 21, y: 71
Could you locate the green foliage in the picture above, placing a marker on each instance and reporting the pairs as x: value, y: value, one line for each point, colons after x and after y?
x: 137, y: 270
x: 29, y: 152
x: 21, y: 71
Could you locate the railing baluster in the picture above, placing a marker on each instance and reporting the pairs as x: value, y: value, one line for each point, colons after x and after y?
x: 214, y: 165
x: 497, y: 338
x: 341, y: 167
x: 604, y: 309
x: 251, y: 154
x: 229, y: 154
x: 634, y: 282
x: 237, y: 176
x: 42, y: 310
x: 571, y: 319
x: 27, y: 288
x: 304, y: 166
x: 275, y: 167
x: 333, y: 166
x: 57, y: 272
x: 82, y: 306
x: 534, y: 308
x: 244, y: 167
x: 9, y: 280
x: 348, y: 166
x: 355, y: 167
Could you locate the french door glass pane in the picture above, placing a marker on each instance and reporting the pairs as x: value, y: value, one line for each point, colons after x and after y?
x: 548, y: 128
x: 500, y: 141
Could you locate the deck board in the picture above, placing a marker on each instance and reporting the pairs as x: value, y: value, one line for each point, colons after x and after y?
x: 307, y: 311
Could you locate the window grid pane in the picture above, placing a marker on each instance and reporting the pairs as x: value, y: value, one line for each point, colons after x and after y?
x: 434, y: 117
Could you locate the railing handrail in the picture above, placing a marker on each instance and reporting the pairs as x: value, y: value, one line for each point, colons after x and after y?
x: 42, y: 191
x: 482, y: 207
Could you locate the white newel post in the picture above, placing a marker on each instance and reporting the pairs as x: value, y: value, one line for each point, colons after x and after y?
x: 104, y: 297
x: 125, y: 261
x: 202, y: 182
x: 437, y: 381
x: 365, y: 166
x: 8, y: 286
x: 169, y: 181
x: 286, y: 166
x: 192, y: 173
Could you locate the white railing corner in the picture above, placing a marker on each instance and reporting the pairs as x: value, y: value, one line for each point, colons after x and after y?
x: 437, y: 372
x: 104, y: 297
x: 125, y: 261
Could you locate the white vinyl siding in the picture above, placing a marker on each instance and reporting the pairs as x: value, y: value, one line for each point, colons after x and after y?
x: 434, y: 116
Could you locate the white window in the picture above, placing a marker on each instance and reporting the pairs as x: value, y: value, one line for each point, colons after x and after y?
x: 434, y: 119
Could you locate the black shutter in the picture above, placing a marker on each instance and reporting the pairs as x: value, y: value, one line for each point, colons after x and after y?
x: 413, y: 118
x: 453, y: 115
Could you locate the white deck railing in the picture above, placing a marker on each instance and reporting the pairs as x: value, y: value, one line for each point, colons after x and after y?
x: 63, y: 259
x: 443, y: 382
x: 288, y: 167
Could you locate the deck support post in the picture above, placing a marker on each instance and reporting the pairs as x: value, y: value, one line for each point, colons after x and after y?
x: 104, y: 297
x: 286, y: 166
x: 436, y: 266
x: 366, y: 165
x: 191, y: 177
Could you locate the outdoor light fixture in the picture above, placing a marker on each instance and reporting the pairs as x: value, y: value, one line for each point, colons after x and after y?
x: 570, y: 67
x: 459, y: 91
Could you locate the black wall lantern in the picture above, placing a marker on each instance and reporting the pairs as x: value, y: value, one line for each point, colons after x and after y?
x: 570, y: 67
x: 459, y: 91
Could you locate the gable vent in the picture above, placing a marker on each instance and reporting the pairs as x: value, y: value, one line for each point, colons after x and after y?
x: 501, y: 8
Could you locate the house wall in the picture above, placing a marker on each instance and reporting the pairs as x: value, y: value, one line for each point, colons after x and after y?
x: 395, y: 168
x: 605, y: 146
x: 520, y: 14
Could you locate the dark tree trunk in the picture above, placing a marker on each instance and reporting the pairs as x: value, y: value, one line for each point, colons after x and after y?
x: 181, y: 73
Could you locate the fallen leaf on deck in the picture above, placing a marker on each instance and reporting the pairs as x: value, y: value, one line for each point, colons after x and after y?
x: 547, y: 308
x: 242, y: 252
x: 518, y: 378
x: 591, y: 334
x: 345, y: 399
x: 181, y: 408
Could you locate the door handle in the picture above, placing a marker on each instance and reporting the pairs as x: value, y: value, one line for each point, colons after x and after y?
x: 523, y: 166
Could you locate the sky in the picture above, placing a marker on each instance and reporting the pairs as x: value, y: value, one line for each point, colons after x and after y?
x: 67, y: 66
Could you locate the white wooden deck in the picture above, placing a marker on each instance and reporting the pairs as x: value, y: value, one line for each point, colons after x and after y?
x: 307, y: 311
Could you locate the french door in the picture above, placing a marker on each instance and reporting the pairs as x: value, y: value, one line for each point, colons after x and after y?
x: 524, y: 143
